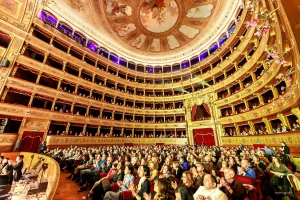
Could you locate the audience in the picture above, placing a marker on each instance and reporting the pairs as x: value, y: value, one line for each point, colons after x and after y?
x: 166, y: 172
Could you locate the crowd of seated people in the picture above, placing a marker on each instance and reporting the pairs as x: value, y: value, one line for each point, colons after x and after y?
x: 181, y: 172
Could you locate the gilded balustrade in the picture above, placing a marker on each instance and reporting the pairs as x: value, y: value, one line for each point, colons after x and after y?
x: 39, y: 66
x: 288, y: 100
x: 82, y: 141
x: 23, y: 111
x: 45, y: 47
x: 69, y: 97
x: 7, y: 141
x: 292, y: 139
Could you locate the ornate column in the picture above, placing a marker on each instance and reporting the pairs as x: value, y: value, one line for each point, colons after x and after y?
x: 188, y: 110
x: 72, y: 108
x: 284, y: 120
x: 253, y: 75
x: 132, y: 133
x: 122, y: 131
x: 91, y: 93
x: 261, y: 101
x: 64, y: 65
x: 15, y: 70
x: 237, y: 128
x: 143, y: 132
x: 68, y: 128
x: 84, y: 129
x: 31, y: 99
x: 53, y: 104
x: 59, y: 84
x: 246, y: 103
x: 6, y: 90
x: 98, y: 131
x: 275, y: 92
x: 79, y: 72
x: 87, y: 111
x: 93, y: 79
x: 38, y: 77
x: 76, y: 89
x: 268, y: 125
x: 46, y: 57
x: 241, y: 84
x: 296, y: 112
x: 252, y: 127
x: 111, y: 131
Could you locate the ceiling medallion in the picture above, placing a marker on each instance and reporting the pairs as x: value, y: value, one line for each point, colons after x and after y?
x: 158, y: 16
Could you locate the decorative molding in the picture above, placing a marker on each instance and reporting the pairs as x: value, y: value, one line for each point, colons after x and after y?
x: 291, y: 139
x: 72, y: 140
x: 8, y: 139
x: 43, y: 114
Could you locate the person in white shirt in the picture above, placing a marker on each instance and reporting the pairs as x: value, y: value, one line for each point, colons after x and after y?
x: 209, y: 190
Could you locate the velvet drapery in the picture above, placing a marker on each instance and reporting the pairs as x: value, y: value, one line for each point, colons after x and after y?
x: 31, y: 141
x: 206, y: 108
x: 205, y: 135
x: 193, y: 113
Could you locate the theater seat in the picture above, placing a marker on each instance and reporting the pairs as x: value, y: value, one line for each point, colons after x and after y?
x: 103, y: 175
x: 126, y: 195
x: 114, y: 187
x: 151, y: 186
x: 248, y: 181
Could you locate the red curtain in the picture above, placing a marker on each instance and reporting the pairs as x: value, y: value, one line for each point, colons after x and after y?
x: 194, y: 109
x: 31, y: 141
x: 206, y: 108
x: 205, y: 135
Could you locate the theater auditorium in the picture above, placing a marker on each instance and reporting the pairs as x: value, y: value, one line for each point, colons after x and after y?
x: 149, y: 99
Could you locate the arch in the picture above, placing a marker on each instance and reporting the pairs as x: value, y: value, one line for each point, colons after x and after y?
x: 114, y: 57
x: 213, y: 48
x: 123, y: 62
x: 93, y: 46
x: 65, y: 28
x: 5, y: 39
x: 78, y: 36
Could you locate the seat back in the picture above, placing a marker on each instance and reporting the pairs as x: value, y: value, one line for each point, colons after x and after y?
x: 3, y: 179
x: 5, y: 189
x: 76, y: 163
x: 245, y: 179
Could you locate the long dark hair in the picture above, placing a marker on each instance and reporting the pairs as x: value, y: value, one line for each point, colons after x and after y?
x: 185, y: 193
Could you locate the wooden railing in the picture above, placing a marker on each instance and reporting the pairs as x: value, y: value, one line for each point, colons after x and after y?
x: 52, y: 173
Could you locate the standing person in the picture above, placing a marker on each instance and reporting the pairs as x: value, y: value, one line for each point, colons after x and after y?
x: 285, y: 151
x: 42, y: 147
x: 18, y: 168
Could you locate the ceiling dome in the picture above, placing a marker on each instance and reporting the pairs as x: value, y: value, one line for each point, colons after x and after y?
x: 151, y: 31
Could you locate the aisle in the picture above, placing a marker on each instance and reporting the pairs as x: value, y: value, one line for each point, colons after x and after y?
x: 67, y: 190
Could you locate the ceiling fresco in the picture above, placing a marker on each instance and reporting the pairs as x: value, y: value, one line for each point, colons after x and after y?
x: 163, y: 30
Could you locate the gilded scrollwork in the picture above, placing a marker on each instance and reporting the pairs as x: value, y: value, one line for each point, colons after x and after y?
x: 61, y: 140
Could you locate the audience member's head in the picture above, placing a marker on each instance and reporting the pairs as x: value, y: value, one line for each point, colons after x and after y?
x: 209, y: 182
x: 183, y: 193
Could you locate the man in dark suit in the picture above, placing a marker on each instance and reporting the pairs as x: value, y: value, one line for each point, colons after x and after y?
x: 42, y: 147
x: 18, y: 168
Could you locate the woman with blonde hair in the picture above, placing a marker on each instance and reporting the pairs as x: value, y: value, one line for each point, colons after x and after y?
x: 153, y: 166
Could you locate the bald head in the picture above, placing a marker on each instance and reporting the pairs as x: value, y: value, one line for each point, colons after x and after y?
x: 229, y: 174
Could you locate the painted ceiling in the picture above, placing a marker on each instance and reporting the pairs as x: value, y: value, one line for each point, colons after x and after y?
x: 149, y: 31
